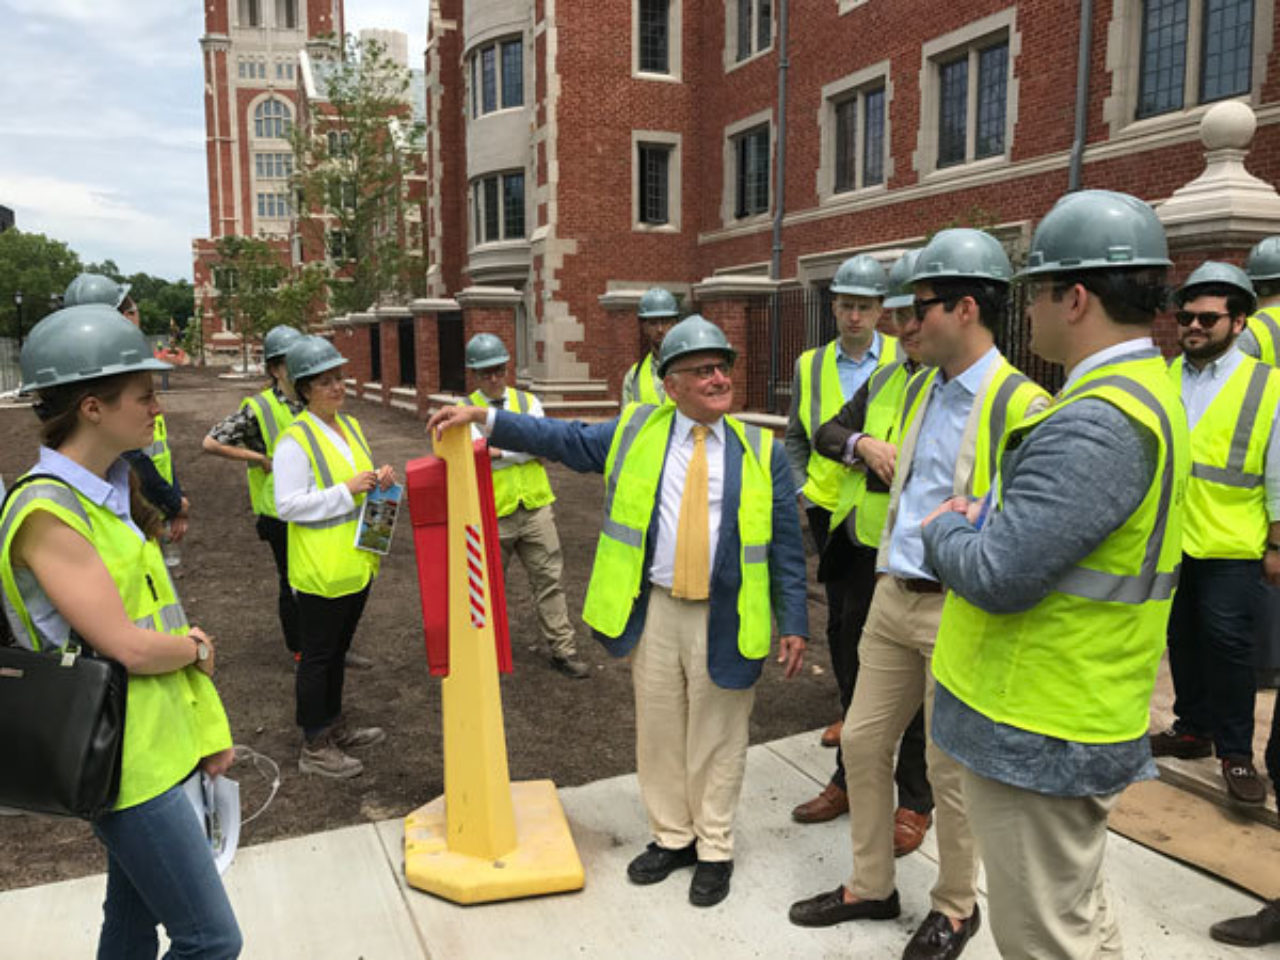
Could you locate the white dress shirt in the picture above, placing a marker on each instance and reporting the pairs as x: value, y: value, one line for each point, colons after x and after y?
x: 298, y: 500
x: 678, y: 453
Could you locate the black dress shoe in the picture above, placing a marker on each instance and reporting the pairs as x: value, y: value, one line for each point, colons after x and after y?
x: 1261, y: 928
x: 710, y: 882
x: 829, y: 908
x: 656, y: 863
x: 936, y: 940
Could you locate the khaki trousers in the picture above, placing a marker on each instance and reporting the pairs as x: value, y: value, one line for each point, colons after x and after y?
x: 894, y: 678
x: 532, y: 535
x: 1044, y: 871
x: 691, y: 735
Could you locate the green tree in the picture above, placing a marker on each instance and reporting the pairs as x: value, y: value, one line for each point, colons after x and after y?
x: 247, y: 275
x: 37, y: 267
x: 353, y: 156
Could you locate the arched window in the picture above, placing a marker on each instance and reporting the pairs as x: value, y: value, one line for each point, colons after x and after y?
x: 271, y: 119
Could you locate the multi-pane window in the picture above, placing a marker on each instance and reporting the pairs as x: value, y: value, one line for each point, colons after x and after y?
x: 654, y: 169
x: 284, y: 70
x: 339, y: 143
x: 498, y: 207
x: 973, y: 103
x: 271, y: 120
x: 250, y: 13
x: 241, y: 70
x: 273, y: 166
x: 287, y: 14
x: 755, y: 26
x: 339, y: 247
x: 655, y: 36
x: 1175, y: 73
x: 274, y: 206
x: 751, y: 150
x: 497, y: 77
x: 859, y: 147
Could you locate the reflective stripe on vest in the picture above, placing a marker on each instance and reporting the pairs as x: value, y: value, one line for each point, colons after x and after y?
x: 323, y: 559
x: 1233, y: 474
x: 521, y: 484
x: 158, y: 450
x: 273, y: 417
x: 1266, y: 330
x: 862, y: 511
x: 633, y: 472
x: 171, y: 719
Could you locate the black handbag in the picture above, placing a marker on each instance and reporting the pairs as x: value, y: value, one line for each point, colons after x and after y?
x: 62, y: 717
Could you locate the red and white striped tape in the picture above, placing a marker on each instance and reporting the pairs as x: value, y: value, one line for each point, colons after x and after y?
x: 475, y: 575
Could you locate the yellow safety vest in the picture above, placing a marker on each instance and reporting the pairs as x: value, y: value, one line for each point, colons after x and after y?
x: 641, y: 383
x: 1081, y: 664
x: 159, y: 451
x: 323, y: 559
x: 172, y: 720
x: 1226, y: 513
x: 1265, y: 325
x: 820, y: 399
x: 633, y: 472
x: 870, y: 508
x: 524, y: 484
x: 273, y: 417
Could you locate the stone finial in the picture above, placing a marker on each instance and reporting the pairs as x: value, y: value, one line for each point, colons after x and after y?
x: 1229, y: 125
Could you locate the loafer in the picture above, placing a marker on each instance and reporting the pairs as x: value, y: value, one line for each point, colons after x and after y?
x: 936, y: 940
x: 710, y: 882
x: 909, y: 829
x: 831, y: 735
x: 827, y: 909
x: 1255, y: 931
x: 1176, y: 743
x: 571, y: 666
x: 656, y: 863
x: 832, y: 802
x: 1243, y: 782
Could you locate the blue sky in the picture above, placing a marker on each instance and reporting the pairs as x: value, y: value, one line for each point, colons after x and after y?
x: 102, y: 122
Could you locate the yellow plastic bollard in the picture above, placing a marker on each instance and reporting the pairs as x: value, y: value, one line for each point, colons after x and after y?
x: 487, y: 838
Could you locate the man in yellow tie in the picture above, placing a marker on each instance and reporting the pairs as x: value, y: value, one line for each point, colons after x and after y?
x: 700, y: 551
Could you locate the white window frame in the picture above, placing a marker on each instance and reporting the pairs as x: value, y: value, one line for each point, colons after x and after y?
x: 675, y: 143
x: 1124, y: 62
x: 475, y: 78
x: 729, y: 170
x: 974, y: 37
x: 731, y: 61
x: 675, y: 44
x: 876, y: 76
x: 475, y: 217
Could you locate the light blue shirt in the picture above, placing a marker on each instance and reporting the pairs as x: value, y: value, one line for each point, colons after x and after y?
x: 1199, y: 387
x: 933, y: 467
x: 854, y: 373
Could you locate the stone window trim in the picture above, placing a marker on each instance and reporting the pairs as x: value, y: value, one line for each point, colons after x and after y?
x: 474, y: 76
x: 976, y: 36
x: 674, y: 142
x: 1123, y: 62
x: 258, y: 110
x: 729, y: 178
x: 847, y: 6
x: 731, y: 61
x: 877, y: 75
x: 675, y: 44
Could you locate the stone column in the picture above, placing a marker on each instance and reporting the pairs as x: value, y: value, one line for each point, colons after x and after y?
x: 352, y: 341
x: 491, y: 310
x: 622, y: 307
x: 727, y: 301
x: 394, y: 391
x: 426, y: 314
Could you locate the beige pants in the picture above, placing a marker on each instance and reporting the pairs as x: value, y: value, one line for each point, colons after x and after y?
x: 1044, y: 871
x: 691, y: 735
x: 531, y: 535
x: 894, y: 678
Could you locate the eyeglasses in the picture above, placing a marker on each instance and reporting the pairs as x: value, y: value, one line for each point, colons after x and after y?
x: 492, y: 373
x: 921, y: 307
x: 1207, y: 318
x: 706, y: 371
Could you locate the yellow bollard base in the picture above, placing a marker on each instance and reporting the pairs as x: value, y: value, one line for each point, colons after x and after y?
x: 544, y: 861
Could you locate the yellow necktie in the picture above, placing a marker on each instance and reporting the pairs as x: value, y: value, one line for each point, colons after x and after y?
x: 692, y: 577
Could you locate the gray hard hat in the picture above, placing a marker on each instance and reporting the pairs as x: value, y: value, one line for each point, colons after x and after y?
x: 485, y: 350
x: 83, y: 343
x: 95, y: 288
x: 278, y: 341
x: 693, y: 334
x: 658, y: 304
x: 860, y: 276
x: 309, y: 356
x: 900, y: 292
x: 1097, y: 230
x: 1214, y: 272
x: 962, y: 253
x: 1264, y: 260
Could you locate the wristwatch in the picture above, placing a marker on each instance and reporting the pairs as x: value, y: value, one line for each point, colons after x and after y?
x: 202, y: 651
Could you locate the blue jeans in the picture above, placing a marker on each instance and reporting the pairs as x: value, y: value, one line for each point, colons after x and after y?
x: 160, y: 871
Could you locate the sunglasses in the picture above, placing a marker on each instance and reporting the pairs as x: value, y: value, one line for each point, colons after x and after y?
x: 706, y: 371
x: 921, y: 307
x: 1207, y: 318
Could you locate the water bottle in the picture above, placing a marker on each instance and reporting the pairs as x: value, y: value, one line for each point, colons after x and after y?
x: 172, y: 556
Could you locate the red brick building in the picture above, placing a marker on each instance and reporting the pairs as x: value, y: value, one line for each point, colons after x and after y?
x: 579, y: 152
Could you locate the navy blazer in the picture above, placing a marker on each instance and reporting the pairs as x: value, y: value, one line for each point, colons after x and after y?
x: 585, y: 447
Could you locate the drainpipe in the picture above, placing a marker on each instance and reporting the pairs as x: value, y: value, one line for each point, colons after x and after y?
x: 1082, y: 95
x: 779, y: 193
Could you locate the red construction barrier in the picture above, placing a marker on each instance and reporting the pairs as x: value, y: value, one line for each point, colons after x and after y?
x: 426, y: 485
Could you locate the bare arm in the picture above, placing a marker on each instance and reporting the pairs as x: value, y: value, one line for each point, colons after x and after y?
x: 228, y: 452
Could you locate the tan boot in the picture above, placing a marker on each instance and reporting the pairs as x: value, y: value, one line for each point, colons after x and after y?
x: 324, y: 758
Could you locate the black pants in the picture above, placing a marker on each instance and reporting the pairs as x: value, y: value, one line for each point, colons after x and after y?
x: 327, y: 626
x: 1211, y: 651
x: 276, y: 534
x: 848, y: 571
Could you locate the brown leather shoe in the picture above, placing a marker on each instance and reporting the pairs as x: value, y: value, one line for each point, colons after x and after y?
x: 1243, y: 782
x: 831, y: 735
x: 827, y: 805
x: 909, y: 829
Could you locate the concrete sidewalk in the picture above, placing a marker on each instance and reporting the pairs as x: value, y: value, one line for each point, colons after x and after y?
x: 341, y: 895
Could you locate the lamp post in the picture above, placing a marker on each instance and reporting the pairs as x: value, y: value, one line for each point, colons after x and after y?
x: 17, y: 305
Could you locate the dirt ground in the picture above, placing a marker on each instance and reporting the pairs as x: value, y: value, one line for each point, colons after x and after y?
x: 570, y: 731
